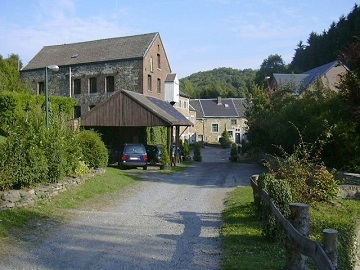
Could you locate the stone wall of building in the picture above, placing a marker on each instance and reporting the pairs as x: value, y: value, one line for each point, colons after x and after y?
x: 28, y: 197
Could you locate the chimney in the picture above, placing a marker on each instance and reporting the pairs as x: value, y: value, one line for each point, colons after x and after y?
x: 218, y: 100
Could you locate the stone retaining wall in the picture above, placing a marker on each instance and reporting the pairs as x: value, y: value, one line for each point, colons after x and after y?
x: 28, y: 197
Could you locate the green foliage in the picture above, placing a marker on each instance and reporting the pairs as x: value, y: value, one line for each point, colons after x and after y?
x: 273, y: 64
x: 234, y: 153
x: 343, y: 217
x: 309, y: 179
x: 164, y: 157
x: 9, y: 75
x: 225, y: 82
x: 244, y: 244
x: 280, y: 193
x: 17, y: 105
x: 82, y: 169
x: 156, y: 135
x: 94, y: 151
x: 61, y: 149
x: 318, y: 115
x: 197, y: 151
x: 225, y: 139
x: 34, y: 154
x: 186, y: 150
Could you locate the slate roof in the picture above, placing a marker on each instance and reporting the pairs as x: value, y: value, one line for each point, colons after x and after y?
x: 317, y: 72
x: 229, y: 107
x: 170, y: 77
x: 306, y: 78
x: 296, y: 80
x: 161, y: 108
x: 110, y: 49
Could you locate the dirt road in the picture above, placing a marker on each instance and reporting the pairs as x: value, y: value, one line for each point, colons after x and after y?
x: 165, y: 222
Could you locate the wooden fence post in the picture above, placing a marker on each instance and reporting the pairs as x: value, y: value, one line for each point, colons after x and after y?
x: 330, y: 245
x: 300, y: 219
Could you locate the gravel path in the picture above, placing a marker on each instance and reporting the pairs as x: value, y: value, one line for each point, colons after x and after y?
x: 165, y: 222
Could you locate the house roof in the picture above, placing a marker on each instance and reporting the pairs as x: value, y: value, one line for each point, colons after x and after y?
x: 153, y: 111
x: 171, y: 77
x: 296, y: 80
x: 315, y: 73
x: 229, y: 107
x: 306, y: 78
x: 110, y: 49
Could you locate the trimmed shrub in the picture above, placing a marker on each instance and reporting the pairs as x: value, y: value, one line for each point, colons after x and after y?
x: 197, y: 151
x: 164, y: 157
x: 233, y: 153
x: 186, y: 150
x: 93, y: 149
x: 280, y: 194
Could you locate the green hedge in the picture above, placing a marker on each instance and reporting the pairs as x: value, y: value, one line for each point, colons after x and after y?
x: 32, y: 153
x: 93, y: 149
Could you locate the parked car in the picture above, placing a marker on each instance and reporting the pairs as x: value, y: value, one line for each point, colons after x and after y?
x: 154, y: 153
x: 132, y: 156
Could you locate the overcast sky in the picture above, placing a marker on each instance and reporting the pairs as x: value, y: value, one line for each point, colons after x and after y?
x: 198, y: 35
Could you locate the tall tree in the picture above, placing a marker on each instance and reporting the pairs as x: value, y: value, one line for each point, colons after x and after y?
x: 273, y: 64
x: 324, y: 47
x: 9, y: 74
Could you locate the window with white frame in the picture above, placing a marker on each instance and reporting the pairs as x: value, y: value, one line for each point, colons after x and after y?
x: 215, y: 127
x: 233, y: 122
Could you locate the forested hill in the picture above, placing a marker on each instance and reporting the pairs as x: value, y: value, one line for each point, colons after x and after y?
x: 225, y: 82
x: 326, y: 47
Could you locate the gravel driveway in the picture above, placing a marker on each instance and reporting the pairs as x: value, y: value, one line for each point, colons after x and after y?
x: 164, y: 222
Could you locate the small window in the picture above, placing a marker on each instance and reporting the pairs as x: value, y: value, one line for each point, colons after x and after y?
x: 77, y: 86
x: 109, y: 84
x: 149, y: 83
x: 151, y: 64
x: 185, y: 104
x: 158, y: 86
x: 92, y: 85
x: 41, y: 88
x: 158, y: 61
x: 230, y: 133
x: 214, y: 127
x: 233, y: 122
x: 77, y: 111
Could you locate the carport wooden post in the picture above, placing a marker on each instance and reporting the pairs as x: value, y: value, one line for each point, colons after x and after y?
x: 169, y: 136
x: 177, y: 143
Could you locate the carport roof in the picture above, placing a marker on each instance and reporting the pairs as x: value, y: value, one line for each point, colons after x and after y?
x: 127, y: 108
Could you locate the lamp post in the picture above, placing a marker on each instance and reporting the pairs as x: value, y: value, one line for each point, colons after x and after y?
x: 53, y: 68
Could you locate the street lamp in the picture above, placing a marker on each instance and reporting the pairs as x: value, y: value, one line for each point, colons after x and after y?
x: 53, y: 68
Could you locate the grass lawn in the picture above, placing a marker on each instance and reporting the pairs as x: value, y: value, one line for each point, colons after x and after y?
x: 243, y: 245
x: 13, y: 221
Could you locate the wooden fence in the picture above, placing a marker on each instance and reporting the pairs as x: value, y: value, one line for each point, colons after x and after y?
x: 324, y: 254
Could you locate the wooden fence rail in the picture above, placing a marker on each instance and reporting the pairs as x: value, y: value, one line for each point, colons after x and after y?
x: 307, y: 247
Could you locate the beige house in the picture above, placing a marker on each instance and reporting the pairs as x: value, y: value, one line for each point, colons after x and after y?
x: 330, y: 75
x: 181, y: 103
x: 213, y: 116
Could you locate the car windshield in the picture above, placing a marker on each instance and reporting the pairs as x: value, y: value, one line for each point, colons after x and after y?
x: 135, y: 149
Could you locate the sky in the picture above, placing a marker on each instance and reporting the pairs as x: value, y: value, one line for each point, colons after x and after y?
x: 198, y: 35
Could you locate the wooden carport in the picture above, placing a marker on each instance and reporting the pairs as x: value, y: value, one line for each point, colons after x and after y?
x: 131, y: 111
